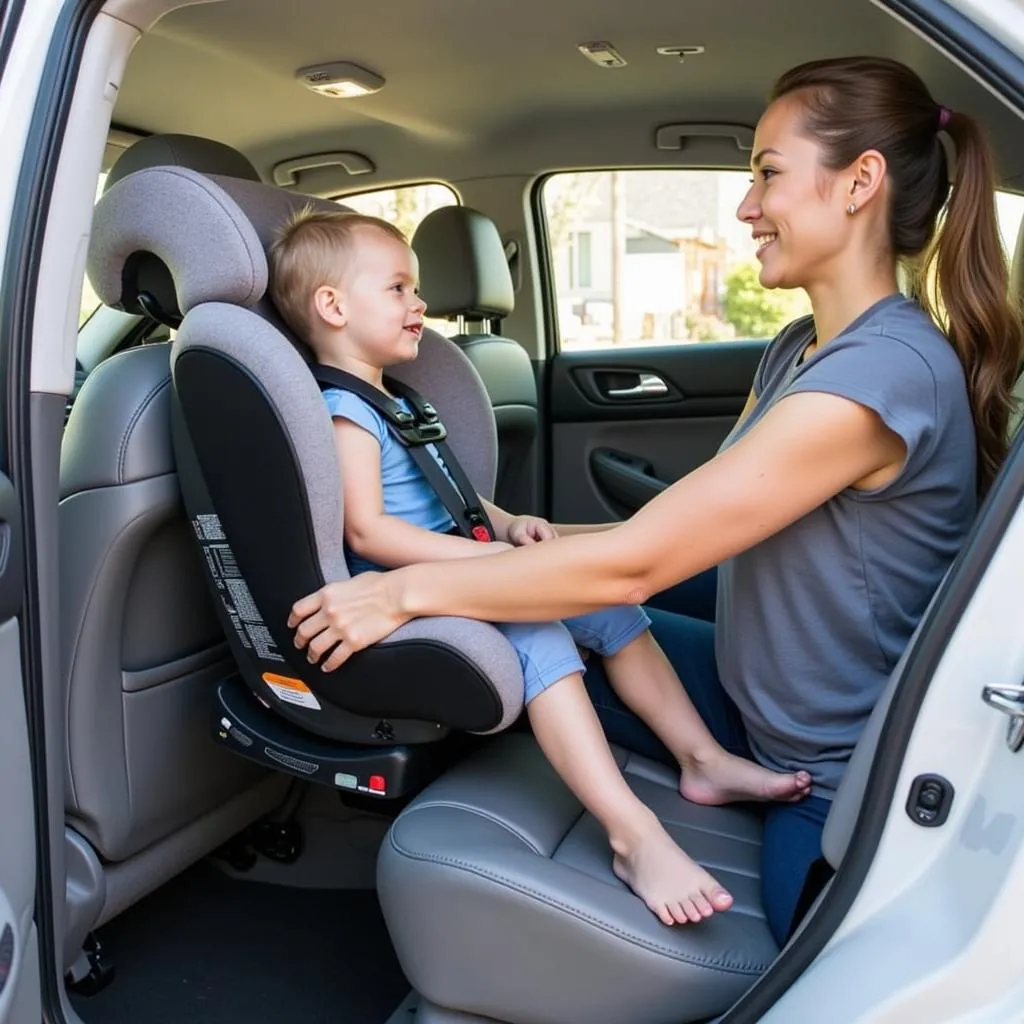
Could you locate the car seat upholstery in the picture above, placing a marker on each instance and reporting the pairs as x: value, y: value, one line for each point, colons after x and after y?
x: 147, y: 790
x: 500, y: 898
x: 257, y: 445
x: 464, y: 275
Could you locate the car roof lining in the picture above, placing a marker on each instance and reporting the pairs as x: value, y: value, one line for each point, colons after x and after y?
x: 476, y: 90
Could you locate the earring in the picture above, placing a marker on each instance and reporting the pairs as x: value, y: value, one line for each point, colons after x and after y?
x: 851, y: 209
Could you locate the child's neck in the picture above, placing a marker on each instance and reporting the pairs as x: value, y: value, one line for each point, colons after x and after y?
x: 357, y: 367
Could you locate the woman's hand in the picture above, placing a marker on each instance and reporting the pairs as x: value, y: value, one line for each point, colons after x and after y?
x: 529, y: 530
x: 353, y: 614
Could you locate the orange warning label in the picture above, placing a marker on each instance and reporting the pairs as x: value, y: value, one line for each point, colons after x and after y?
x: 291, y: 690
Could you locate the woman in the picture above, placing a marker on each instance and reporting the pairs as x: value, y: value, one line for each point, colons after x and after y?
x: 846, y: 487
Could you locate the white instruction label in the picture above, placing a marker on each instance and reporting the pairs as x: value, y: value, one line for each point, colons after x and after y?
x: 235, y: 595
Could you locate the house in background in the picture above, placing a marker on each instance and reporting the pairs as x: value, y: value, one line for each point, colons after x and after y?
x: 676, y: 245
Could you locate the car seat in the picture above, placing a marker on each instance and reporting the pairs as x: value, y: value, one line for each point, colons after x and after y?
x: 255, y: 455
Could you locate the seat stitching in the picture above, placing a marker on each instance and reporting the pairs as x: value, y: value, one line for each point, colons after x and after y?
x: 122, y: 453
x: 483, y: 814
x: 581, y: 915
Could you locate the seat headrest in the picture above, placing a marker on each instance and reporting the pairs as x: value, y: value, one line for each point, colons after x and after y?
x: 205, y: 235
x: 463, y: 268
x: 204, y: 155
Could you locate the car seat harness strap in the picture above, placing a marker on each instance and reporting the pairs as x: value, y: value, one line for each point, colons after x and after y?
x: 415, y: 430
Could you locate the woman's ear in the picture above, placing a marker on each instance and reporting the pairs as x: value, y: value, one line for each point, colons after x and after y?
x: 328, y: 305
x: 865, y: 175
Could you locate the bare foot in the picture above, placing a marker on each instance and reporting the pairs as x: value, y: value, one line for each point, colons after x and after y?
x: 673, y: 886
x: 726, y: 778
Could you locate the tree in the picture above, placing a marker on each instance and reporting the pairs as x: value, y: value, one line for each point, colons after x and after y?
x: 568, y: 196
x: 757, y: 312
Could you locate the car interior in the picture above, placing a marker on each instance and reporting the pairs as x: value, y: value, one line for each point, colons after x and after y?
x: 245, y: 839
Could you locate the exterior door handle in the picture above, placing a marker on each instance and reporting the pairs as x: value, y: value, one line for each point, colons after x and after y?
x: 1009, y: 700
x: 649, y: 385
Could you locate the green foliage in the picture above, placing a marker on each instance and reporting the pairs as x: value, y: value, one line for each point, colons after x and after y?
x: 757, y: 312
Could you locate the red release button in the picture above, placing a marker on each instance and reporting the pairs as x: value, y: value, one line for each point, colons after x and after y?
x: 377, y: 783
x: 482, y: 534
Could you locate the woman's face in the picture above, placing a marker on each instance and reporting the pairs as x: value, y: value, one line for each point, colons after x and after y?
x: 796, y: 208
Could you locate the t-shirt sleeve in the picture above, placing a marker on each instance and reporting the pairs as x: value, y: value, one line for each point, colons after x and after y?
x: 355, y: 410
x: 883, y: 374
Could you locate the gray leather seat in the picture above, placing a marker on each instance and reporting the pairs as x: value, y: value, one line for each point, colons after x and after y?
x: 147, y: 790
x: 499, y: 895
x: 464, y: 276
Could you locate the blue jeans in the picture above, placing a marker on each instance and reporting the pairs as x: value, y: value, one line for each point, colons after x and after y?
x: 792, y: 832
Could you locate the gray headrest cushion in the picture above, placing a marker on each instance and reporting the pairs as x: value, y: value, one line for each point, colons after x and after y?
x: 204, y: 155
x: 191, y: 225
x: 463, y: 268
x: 211, y: 232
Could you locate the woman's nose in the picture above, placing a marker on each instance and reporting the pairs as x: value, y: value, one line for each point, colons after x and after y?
x: 750, y: 206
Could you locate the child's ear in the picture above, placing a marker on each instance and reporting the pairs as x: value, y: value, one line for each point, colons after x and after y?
x: 328, y: 305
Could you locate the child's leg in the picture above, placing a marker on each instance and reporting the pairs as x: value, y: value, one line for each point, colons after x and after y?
x: 646, y: 682
x: 566, y: 726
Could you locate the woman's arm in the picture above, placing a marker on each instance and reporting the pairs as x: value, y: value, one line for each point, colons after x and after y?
x: 805, y: 450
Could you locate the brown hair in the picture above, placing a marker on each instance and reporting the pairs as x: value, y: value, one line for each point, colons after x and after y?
x: 958, y: 272
x: 313, y: 249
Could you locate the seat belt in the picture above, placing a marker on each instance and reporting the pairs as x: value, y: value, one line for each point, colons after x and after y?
x: 415, y: 430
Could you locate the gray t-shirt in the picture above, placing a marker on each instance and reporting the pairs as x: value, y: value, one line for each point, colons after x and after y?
x: 811, y: 621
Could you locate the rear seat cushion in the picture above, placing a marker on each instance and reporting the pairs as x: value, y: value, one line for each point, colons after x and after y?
x: 499, y: 895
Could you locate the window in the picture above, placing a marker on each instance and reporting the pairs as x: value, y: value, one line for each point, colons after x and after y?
x: 405, y: 207
x: 90, y: 300
x: 659, y: 258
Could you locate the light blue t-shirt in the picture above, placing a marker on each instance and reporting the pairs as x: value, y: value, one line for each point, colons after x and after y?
x: 811, y: 621
x: 407, y: 495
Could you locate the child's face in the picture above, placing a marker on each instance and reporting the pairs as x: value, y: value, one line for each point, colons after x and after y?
x: 382, y: 314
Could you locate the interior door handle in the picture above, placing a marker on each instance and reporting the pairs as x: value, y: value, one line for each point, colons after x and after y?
x: 650, y: 385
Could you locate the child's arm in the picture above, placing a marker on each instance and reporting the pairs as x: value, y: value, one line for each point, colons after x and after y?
x: 531, y: 529
x: 369, y: 532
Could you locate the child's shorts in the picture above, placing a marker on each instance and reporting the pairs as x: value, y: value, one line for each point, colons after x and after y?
x: 548, y: 650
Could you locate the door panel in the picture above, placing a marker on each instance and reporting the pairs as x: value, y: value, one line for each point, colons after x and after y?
x: 625, y: 423
x: 18, y: 954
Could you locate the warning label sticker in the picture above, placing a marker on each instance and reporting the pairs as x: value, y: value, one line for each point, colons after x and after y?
x: 208, y: 528
x: 292, y: 691
x: 235, y: 595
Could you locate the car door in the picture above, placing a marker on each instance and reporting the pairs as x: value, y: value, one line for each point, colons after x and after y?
x: 661, y: 325
x: 24, y: 31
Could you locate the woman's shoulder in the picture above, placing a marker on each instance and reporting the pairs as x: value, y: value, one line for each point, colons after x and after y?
x: 900, y: 334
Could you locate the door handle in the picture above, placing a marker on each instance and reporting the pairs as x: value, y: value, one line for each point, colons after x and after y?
x: 1009, y: 700
x: 649, y: 385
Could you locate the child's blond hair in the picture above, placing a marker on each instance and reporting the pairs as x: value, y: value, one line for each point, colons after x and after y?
x: 313, y: 249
